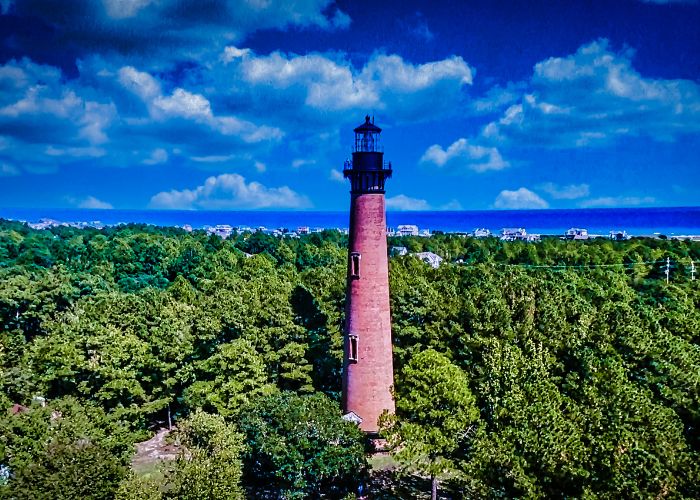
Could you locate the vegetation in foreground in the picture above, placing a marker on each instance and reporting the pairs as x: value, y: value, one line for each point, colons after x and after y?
x: 511, y: 381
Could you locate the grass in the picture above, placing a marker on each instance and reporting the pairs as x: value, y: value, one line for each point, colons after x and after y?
x: 382, y: 461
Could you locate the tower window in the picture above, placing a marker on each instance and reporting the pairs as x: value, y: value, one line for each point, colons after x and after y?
x: 352, y: 348
x: 355, y: 258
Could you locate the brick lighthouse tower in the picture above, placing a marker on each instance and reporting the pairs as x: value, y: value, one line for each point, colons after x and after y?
x: 367, y: 363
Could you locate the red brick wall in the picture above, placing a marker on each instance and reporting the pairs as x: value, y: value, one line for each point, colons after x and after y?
x: 367, y: 382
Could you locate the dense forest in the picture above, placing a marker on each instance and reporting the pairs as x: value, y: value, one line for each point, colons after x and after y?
x: 551, y: 369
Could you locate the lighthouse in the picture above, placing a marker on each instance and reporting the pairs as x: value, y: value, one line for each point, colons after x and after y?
x: 367, y: 362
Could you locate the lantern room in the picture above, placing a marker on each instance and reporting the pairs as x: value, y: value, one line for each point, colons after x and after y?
x: 367, y: 137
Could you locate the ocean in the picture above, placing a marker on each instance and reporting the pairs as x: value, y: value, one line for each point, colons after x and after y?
x: 636, y: 221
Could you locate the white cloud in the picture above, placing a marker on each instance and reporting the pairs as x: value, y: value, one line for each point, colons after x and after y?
x: 569, y: 192
x: 462, y: 153
x: 300, y: 162
x: 191, y: 27
x: 592, y: 98
x: 336, y: 175
x: 75, y: 152
x: 190, y: 106
x: 158, y: 155
x: 260, y: 166
x: 122, y: 9
x: 140, y: 83
x: 386, y: 82
x: 231, y: 53
x: 182, y: 104
x: 618, y: 201
x: 498, y: 97
x: 7, y: 170
x: 212, y: 158
x: 94, y: 203
x: 229, y: 191
x: 39, y: 96
x: 403, y: 202
x: 519, y: 199
x: 340, y: 20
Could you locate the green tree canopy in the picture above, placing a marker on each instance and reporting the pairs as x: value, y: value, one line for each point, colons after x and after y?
x: 436, y: 414
x: 300, y: 447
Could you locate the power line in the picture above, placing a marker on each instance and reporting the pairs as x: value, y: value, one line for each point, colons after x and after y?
x: 628, y: 265
x: 666, y: 266
x: 582, y: 266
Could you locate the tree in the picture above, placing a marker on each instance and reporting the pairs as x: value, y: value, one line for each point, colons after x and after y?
x: 66, y: 470
x: 236, y: 373
x: 436, y: 412
x: 210, y: 465
x: 63, y: 450
x: 300, y: 447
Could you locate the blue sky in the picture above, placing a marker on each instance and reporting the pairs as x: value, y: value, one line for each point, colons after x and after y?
x: 191, y: 104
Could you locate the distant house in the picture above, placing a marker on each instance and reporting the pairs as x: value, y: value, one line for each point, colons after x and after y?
x: 222, y: 230
x: 352, y: 417
x: 398, y: 251
x: 513, y: 233
x: 16, y: 409
x: 576, y: 233
x: 482, y: 233
x: 618, y: 235
x: 517, y: 234
x: 407, y: 230
x: 303, y: 230
x: 433, y: 260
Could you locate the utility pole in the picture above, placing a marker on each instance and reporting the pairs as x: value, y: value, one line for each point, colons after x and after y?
x: 668, y: 268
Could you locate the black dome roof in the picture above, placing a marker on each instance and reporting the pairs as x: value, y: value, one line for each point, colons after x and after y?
x: 368, y: 126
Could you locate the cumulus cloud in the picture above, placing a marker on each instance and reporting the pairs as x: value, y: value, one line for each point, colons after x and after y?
x: 386, y: 82
x: 122, y: 113
x: 94, y: 203
x: 231, y: 53
x: 34, y: 95
x: 75, y: 152
x: 121, y: 9
x: 462, y: 153
x: 521, y: 198
x: 229, y: 191
x: 568, y: 192
x: 158, y: 155
x: 618, y: 201
x: 126, y: 27
x: 212, y: 158
x: 405, y: 203
x: 189, y: 106
x: 336, y: 175
x: 591, y: 98
x: 300, y: 162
